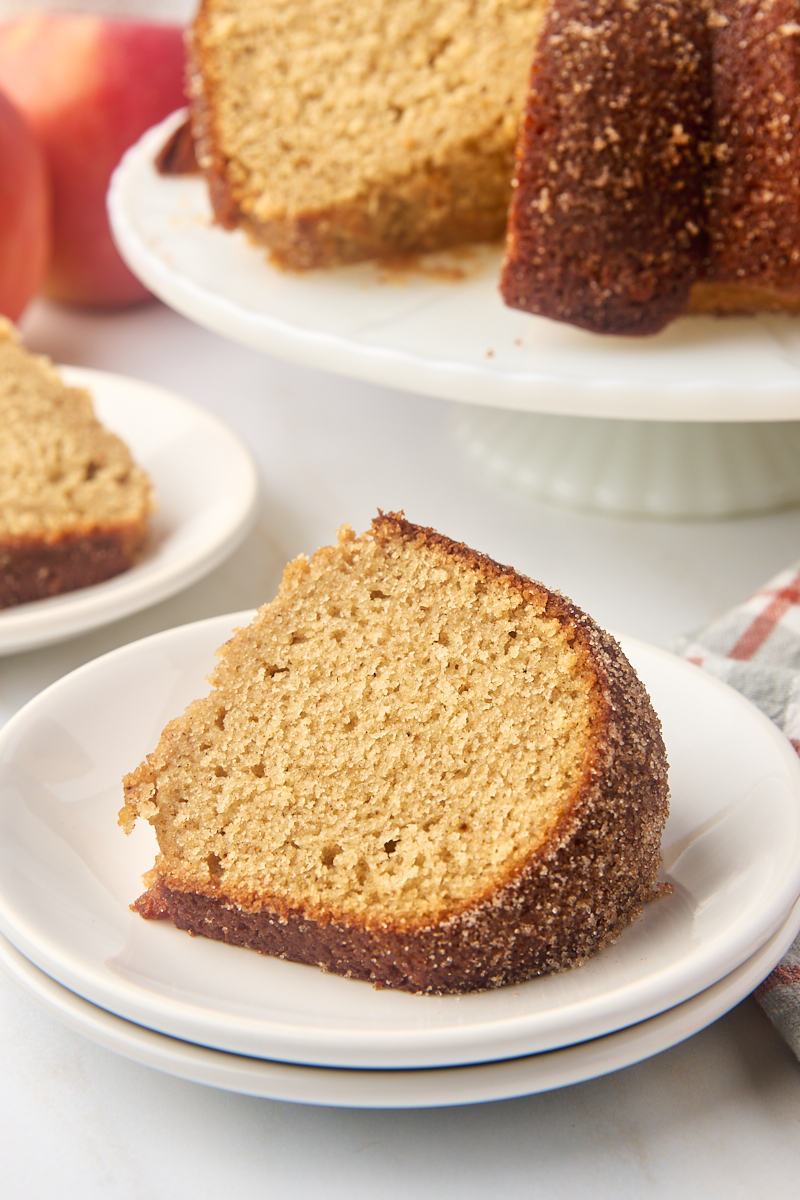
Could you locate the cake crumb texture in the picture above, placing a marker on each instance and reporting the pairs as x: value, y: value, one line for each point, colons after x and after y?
x: 73, y: 504
x: 415, y: 767
x: 334, y: 133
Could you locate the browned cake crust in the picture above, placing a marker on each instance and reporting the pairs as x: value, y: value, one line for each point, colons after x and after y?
x: 177, y: 155
x: 570, y: 898
x: 607, y: 217
x: 205, y: 143
x: 35, y: 568
x: 444, y: 215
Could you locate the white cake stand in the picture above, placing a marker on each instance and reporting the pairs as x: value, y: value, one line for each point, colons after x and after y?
x: 702, y: 420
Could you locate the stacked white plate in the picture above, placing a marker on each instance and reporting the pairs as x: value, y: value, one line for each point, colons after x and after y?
x: 227, y: 1017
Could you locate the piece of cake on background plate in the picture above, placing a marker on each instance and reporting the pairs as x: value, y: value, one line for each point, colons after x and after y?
x: 74, y: 507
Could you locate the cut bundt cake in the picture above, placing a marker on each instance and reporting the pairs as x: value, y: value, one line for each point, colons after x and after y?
x: 658, y: 168
x: 73, y: 505
x: 657, y: 163
x: 414, y: 767
x: 337, y: 132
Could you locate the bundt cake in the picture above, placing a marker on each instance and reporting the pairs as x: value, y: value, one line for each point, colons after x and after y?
x: 414, y: 767
x: 337, y: 132
x: 73, y: 506
x: 658, y: 168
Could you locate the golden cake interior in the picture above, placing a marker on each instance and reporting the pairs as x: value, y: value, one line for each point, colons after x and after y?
x: 390, y: 739
x: 60, y: 469
x: 318, y: 104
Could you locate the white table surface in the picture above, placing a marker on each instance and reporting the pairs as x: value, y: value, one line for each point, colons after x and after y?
x: 716, y: 1116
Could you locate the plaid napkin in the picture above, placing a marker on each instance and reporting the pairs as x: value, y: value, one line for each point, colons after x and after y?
x: 756, y: 649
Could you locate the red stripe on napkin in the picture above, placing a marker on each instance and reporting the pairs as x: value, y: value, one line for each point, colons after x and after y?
x: 756, y: 634
x: 784, y: 975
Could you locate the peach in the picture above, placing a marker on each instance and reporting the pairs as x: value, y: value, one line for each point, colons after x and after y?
x: 89, y: 87
x: 24, y: 212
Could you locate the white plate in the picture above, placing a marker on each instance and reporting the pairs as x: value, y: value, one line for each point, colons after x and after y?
x: 437, y: 336
x: 206, y: 488
x: 67, y: 876
x: 399, y: 1089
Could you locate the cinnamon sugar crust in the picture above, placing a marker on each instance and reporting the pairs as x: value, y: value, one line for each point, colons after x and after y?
x: 754, y: 176
x: 691, y: 202
x: 416, y: 767
x: 606, y: 226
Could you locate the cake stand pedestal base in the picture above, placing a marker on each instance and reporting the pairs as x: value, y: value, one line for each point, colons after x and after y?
x: 660, y: 469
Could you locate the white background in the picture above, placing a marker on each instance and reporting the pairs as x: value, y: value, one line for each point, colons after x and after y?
x: 717, y: 1116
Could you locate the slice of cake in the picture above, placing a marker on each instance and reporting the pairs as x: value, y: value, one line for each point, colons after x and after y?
x: 415, y: 767
x: 73, y: 505
x: 338, y: 132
